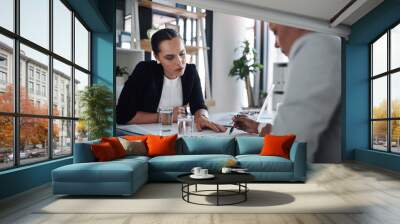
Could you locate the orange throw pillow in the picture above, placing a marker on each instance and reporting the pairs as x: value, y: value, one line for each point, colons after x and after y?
x: 116, y: 145
x: 161, y: 145
x: 275, y: 145
x: 135, y: 137
x: 103, y: 151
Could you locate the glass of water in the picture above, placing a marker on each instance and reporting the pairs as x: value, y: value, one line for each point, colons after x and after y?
x: 185, y: 125
x: 165, y: 118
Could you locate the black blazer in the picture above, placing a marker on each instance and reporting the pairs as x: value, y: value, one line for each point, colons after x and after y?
x: 142, y: 91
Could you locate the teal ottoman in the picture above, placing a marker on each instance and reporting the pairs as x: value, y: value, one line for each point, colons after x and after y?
x: 118, y: 177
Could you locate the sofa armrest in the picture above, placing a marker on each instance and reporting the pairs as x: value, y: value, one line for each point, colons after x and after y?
x: 298, y: 155
x: 83, y: 152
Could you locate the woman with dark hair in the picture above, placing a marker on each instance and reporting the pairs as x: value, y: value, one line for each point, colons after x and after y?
x: 169, y: 82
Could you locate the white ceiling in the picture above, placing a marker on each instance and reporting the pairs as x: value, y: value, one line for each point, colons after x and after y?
x: 317, y: 15
x: 319, y: 9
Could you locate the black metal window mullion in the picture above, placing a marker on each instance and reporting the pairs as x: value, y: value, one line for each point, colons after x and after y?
x: 389, y: 114
x: 371, y: 138
x: 16, y: 84
x: 73, y: 82
x: 50, y: 81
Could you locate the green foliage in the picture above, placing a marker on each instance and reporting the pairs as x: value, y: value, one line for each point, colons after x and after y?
x: 96, y: 103
x: 243, y: 66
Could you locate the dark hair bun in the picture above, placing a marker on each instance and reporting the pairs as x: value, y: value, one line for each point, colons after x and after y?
x: 160, y: 36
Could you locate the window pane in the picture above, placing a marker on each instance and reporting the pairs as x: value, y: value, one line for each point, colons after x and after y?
x: 395, y: 95
x: 379, y: 98
x: 33, y: 140
x: 395, y: 47
x: 35, y: 21
x: 395, y: 136
x: 379, y: 55
x: 81, y: 131
x: 62, y: 29
x: 6, y: 74
x: 62, y: 141
x: 81, y: 45
x: 7, y: 14
x: 36, y: 100
x: 62, y: 89
x: 6, y: 142
x: 81, y: 81
x: 379, y: 135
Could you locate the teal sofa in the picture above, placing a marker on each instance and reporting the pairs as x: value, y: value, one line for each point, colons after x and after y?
x: 125, y: 176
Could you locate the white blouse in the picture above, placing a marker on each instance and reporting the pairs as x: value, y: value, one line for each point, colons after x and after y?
x: 171, y: 95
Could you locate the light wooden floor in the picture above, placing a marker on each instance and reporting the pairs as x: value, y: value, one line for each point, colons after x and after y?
x: 378, y: 188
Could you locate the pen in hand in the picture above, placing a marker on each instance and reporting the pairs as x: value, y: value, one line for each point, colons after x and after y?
x: 233, y: 125
x: 231, y: 130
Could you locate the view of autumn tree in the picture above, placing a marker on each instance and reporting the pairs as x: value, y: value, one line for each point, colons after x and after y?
x: 33, y: 131
x: 380, y: 128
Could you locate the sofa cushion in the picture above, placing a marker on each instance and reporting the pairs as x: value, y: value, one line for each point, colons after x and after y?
x: 112, y: 171
x: 133, y: 158
x: 277, y: 145
x: 257, y: 163
x: 103, y: 152
x: 185, y: 163
x: 135, y: 137
x: 116, y: 145
x: 206, y: 145
x: 134, y: 147
x: 161, y: 145
x: 249, y: 145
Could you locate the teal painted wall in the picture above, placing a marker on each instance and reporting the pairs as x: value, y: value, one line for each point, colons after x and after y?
x: 99, y: 15
x: 27, y: 177
x: 357, y: 84
x: 103, y: 53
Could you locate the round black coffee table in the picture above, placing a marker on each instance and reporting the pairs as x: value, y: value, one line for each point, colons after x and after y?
x: 238, y: 179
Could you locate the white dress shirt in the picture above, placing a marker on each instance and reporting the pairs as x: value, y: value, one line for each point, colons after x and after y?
x: 311, y: 104
x: 171, y: 95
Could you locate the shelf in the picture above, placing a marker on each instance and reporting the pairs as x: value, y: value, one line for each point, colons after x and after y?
x: 146, y: 46
x: 170, y: 9
x: 126, y: 50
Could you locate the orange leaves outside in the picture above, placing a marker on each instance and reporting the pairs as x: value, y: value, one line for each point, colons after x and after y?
x: 33, y: 130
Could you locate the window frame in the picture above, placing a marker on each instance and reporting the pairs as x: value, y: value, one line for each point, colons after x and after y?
x: 388, y: 74
x: 16, y: 114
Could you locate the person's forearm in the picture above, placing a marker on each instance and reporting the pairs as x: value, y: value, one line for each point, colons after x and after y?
x: 144, y: 118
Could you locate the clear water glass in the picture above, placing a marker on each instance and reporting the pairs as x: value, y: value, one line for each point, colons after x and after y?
x: 165, y: 118
x: 185, y: 125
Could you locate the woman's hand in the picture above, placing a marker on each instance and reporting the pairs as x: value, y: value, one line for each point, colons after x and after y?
x: 202, y: 122
x: 176, y: 111
x: 242, y: 122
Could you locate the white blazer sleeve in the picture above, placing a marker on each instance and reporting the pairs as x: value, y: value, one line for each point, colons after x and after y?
x: 312, y: 91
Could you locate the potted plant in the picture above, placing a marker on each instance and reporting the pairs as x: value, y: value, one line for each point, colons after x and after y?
x: 243, y: 66
x: 96, y: 102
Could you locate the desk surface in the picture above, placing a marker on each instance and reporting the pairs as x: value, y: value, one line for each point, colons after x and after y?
x: 219, y: 118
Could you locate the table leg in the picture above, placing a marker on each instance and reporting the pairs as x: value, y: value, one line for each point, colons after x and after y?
x: 196, y: 188
x: 188, y: 190
x: 245, y: 191
x: 217, y: 194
